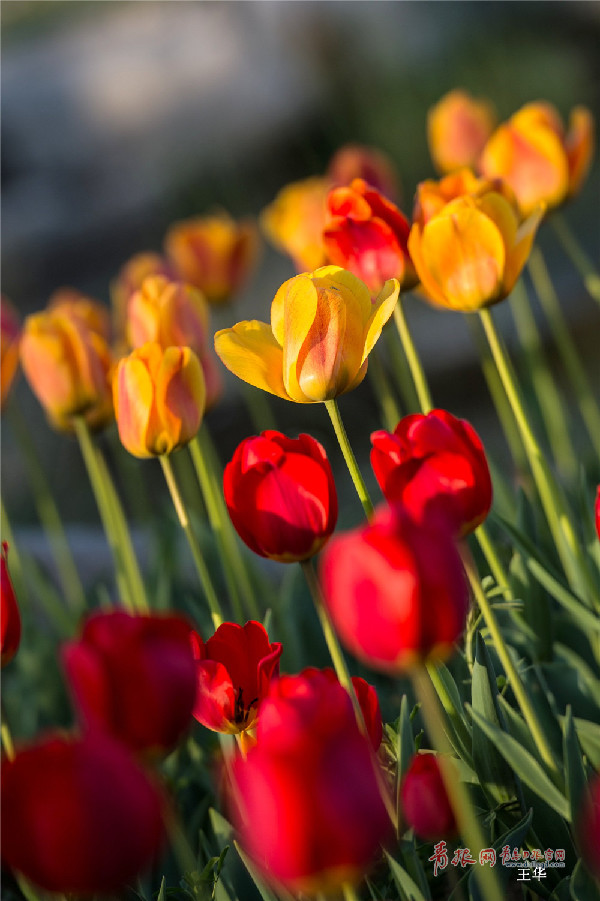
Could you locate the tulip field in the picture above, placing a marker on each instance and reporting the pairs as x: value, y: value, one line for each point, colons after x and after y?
x: 408, y: 709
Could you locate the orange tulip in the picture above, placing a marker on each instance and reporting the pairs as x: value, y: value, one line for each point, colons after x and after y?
x: 294, y: 222
x: 213, y: 253
x: 457, y: 128
x: 130, y: 278
x: 10, y: 332
x: 159, y: 398
x: 93, y: 314
x: 537, y: 158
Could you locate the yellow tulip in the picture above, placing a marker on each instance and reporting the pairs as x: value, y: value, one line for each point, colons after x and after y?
x: 295, y: 220
x: 323, y: 327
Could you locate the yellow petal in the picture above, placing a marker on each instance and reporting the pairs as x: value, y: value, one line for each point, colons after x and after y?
x: 519, y: 253
x: 134, y: 399
x: 250, y: 351
x: 347, y: 283
x: 383, y: 307
x: 429, y: 286
x: 277, y: 309
x: 300, y: 310
x: 579, y: 146
x: 180, y: 396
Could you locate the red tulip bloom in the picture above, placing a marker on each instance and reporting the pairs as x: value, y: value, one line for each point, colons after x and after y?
x: 368, y: 235
x: 588, y: 827
x: 425, y: 804
x: 134, y: 678
x: 597, y: 512
x: 10, y: 618
x: 233, y: 670
x: 395, y: 590
x: 307, y: 801
x: 281, y: 495
x: 367, y: 699
x: 79, y: 816
x: 435, y: 461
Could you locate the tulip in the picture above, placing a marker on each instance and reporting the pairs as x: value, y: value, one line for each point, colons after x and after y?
x: 434, y: 461
x: 134, y: 677
x: 79, y: 816
x: 281, y: 496
x: 367, y: 700
x: 213, y: 253
x: 587, y: 827
x: 368, y: 235
x: 130, y: 278
x: 307, y: 801
x: 159, y: 399
x: 425, y: 804
x: 10, y: 619
x: 68, y: 367
x: 93, y: 314
x: 597, y: 512
x: 534, y: 154
x: 294, y: 222
x: 323, y: 327
x: 457, y: 128
x: 356, y: 161
x: 172, y: 313
x: 10, y: 333
x: 395, y: 590
x: 234, y: 670
x: 470, y: 252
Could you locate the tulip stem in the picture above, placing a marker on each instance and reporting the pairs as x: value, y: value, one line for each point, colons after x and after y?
x: 383, y: 392
x: 519, y: 691
x: 342, y: 437
x: 458, y: 795
x: 7, y: 742
x: 201, y: 568
x: 413, y: 359
x: 493, y: 561
x: 349, y: 893
x: 581, y: 261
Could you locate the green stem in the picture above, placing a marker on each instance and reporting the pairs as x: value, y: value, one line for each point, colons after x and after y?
x: 399, y: 365
x: 581, y: 261
x: 566, y: 347
x: 493, y: 561
x: 458, y: 796
x: 342, y: 437
x: 519, y: 691
x: 201, y: 568
x: 349, y: 893
x: 412, y: 357
x: 7, y: 742
x: 383, y: 392
x: 259, y: 408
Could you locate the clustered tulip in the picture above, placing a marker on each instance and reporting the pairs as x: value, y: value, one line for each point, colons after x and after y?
x: 434, y: 462
x: 281, y: 495
x: 424, y: 801
x: 323, y: 328
x: 307, y: 802
x: 10, y: 333
x: 458, y: 127
x: 10, y: 618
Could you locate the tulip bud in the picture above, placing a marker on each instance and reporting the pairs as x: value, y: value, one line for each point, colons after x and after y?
x: 93, y: 314
x: 294, y: 222
x: 133, y: 677
x: 356, y: 161
x: 281, y: 496
x: 10, y: 619
x: 130, y: 278
x: 10, y: 333
x: 425, y: 804
x: 159, y: 398
x: 395, y: 590
x: 79, y: 816
x: 457, y: 128
x: 434, y: 462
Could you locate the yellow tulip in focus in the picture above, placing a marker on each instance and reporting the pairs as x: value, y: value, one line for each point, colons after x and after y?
x: 159, y: 398
x: 295, y: 220
x: 323, y: 327
x: 537, y: 158
x: 457, y: 128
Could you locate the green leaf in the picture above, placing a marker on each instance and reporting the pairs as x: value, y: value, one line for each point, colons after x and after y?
x: 162, y: 894
x: 405, y: 742
x: 517, y: 726
x: 525, y: 766
x: 407, y: 888
x: 264, y: 891
x: 588, y: 734
x: 515, y: 837
x: 583, y: 886
x: 575, y: 777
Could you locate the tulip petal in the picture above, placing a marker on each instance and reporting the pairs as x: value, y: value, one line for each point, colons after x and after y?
x: 383, y: 307
x: 250, y: 351
x: 519, y: 254
x: 346, y: 281
x: 579, y: 144
x: 180, y: 394
x: 134, y: 400
x: 301, y: 303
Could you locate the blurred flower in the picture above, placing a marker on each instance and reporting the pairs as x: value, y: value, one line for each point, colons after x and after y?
x: 159, y: 399
x: 294, y: 222
x: 457, y: 128
x: 281, y: 495
x: 469, y: 252
x: 587, y: 827
x: 539, y: 160
x: 367, y: 699
x: 368, y: 235
x: 434, y: 462
x: 134, y: 677
x: 68, y: 366
x: 395, y: 590
x: 93, y: 314
x: 213, y: 253
x: 307, y: 801
x: 10, y: 618
x: 130, y: 278
x: 233, y: 671
x: 10, y: 333
x: 425, y: 804
x: 174, y: 314
x: 357, y: 161
x: 323, y: 327
x: 79, y: 816
x: 597, y: 512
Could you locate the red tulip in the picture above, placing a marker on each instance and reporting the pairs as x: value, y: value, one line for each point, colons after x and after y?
x: 588, y: 827
x: 233, y: 669
x: 368, y: 235
x: 597, y: 512
x: 357, y: 161
x: 425, y: 804
x: 435, y: 461
x: 367, y: 699
x: 10, y: 618
x: 395, y: 590
x: 307, y: 801
x: 281, y: 495
x: 79, y: 816
x: 134, y: 678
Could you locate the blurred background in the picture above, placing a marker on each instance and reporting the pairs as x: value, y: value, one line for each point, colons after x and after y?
x: 120, y: 117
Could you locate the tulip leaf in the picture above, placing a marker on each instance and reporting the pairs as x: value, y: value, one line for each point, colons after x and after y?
x: 588, y: 734
x: 407, y: 888
x: 405, y: 742
x: 525, y: 766
x: 562, y: 892
x: 516, y: 726
x: 575, y: 777
x: 583, y: 886
x: 265, y: 893
x: 162, y: 893
x: 458, y: 734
